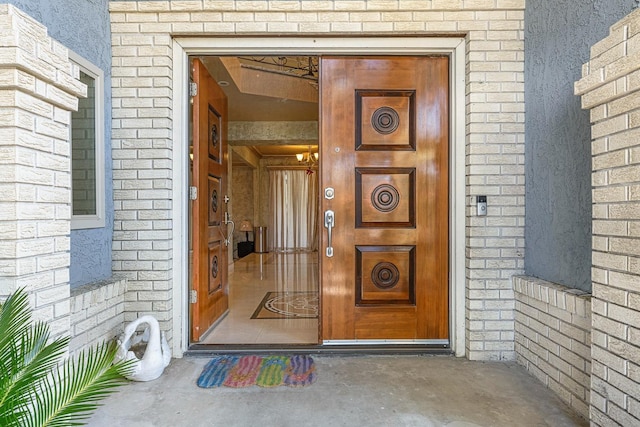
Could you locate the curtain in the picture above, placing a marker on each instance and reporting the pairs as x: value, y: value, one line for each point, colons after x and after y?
x: 294, y: 210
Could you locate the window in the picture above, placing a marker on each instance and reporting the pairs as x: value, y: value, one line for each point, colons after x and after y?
x: 87, y: 150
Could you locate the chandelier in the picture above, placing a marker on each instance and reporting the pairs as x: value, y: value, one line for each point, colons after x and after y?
x: 309, y: 159
x: 305, y: 67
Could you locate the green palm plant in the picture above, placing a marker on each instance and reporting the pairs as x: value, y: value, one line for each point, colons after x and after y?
x: 38, y: 388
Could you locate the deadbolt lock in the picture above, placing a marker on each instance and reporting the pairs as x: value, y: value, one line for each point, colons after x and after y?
x: 329, y: 193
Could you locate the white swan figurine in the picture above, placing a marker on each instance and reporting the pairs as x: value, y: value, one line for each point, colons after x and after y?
x: 157, y: 355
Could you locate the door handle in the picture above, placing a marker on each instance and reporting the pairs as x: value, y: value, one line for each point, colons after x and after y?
x: 227, y: 220
x: 329, y: 222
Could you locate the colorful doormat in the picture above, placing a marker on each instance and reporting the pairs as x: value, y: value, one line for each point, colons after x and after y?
x: 267, y: 371
x: 288, y: 305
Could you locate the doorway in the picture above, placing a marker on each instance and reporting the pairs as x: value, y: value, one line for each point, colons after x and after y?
x: 271, y: 130
x: 454, y: 49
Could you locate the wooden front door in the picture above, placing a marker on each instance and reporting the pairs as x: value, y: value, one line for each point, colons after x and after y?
x: 209, y: 209
x: 384, y: 173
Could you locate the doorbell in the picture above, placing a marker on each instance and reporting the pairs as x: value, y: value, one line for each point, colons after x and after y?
x: 481, y: 205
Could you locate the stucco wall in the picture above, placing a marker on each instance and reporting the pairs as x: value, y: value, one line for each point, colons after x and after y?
x: 83, y: 27
x: 558, y: 35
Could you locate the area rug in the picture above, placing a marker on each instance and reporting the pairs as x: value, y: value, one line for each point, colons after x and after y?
x: 287, y: 305
x: 263, y: 371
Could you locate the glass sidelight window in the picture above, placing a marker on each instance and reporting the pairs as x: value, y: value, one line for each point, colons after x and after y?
x: 87, y: 150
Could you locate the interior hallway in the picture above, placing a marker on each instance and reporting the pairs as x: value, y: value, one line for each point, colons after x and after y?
x: 253, y: 276
x: 367, y: 391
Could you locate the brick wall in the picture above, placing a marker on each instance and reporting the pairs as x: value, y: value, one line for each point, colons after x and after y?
x: 553, y: 338
x: 39, y: 87
x: 610, y: 89
x: 97, y: 313
x: 142, y: 126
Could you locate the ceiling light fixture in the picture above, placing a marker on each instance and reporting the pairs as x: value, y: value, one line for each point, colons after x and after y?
x: 305, y: 67
x: 309, y: 159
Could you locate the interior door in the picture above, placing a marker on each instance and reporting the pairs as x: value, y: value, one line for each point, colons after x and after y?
x: 209, y: 209
x: 385, y: 197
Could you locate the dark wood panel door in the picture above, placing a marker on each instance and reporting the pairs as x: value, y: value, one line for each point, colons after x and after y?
x: 385, y: 153
x: 209, y: 176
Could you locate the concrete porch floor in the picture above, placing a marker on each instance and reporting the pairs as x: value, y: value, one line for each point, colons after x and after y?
x: 350, y: 391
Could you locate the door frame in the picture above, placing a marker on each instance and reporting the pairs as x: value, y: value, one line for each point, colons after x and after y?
x: 454, y: 47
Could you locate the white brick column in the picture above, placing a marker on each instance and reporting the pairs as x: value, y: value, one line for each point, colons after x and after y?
x: 39, y: 88
x: 143, y: 149
x: 610, y: 88
x: 142, y: 165
x: 495, y: 168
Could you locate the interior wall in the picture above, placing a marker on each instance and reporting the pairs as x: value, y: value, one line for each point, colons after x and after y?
x: 73, y: 23
x: 557, y: 38
x: 242, y: 201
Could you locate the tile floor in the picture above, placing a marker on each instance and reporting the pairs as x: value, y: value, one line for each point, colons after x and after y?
x: 252, y: 277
